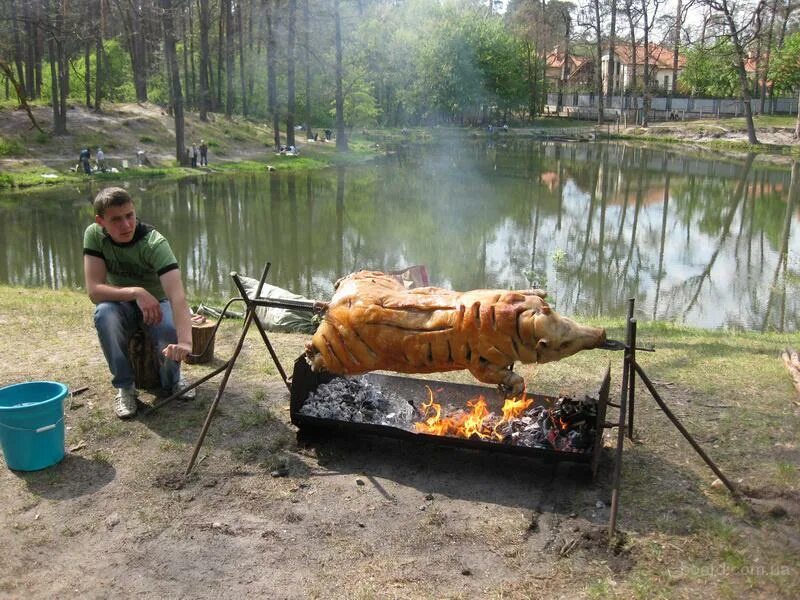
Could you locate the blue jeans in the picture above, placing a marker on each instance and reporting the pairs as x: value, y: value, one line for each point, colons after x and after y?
x: 116, y: 323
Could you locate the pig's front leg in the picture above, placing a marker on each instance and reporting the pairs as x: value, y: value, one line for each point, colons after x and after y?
x: 509, y: 383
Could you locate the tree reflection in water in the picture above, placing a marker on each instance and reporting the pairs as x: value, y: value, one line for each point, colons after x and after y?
x: 707, y: 243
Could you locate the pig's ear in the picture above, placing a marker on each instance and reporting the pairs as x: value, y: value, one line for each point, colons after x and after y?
x: 541, y: 344
x: 544, y: 309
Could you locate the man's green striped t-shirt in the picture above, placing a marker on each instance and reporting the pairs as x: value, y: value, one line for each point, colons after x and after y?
x: 140, y: 262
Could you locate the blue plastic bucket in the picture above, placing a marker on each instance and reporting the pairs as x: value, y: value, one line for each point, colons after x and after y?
x: 32, y: 424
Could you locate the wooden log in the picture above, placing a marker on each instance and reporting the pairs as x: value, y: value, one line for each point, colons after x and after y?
x: 202, y: 336
x: 145, y: 362
x: 792, y: 362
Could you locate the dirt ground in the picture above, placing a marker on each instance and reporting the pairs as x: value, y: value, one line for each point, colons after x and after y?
x: 268, y: 514
x: 710, y: 132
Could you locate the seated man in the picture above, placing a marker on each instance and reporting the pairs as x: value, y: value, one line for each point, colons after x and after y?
x: 133, y: 278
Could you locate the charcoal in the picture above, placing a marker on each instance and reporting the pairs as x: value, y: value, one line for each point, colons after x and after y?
x: 357, y: 400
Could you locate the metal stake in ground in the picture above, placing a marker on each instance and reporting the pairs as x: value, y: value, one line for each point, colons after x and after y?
x: 627, y: 371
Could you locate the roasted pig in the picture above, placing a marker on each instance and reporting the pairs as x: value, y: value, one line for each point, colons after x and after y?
x: 374, y: 323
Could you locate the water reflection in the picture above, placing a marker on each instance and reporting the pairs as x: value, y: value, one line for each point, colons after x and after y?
x: 709, y: 243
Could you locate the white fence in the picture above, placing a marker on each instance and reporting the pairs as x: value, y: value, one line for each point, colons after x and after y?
x: 585, y: 106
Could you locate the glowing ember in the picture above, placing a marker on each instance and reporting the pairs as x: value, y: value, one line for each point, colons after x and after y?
x: 567, y: 425
x: 475, y: 422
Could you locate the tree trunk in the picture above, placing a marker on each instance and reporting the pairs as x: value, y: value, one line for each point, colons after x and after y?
x: 341, y: 139
x: 646, y: 81
x: 765, y: 72
x: 788, y: 7
x: 242, y: 77
x: 676, y: 52
x: 138, y: 61
x: 290, y: 83
x: 612, y: 57
x: 740, y: 55
x: 184, y: 37
x: 87, y: 53
x: 220, y: 34
x: 272, y: 85
x: 229, y: 60
x: 632, y: 85
x: 531, y: 80
x: 171, y: 57
x: 564, y: 77
x: 8, y: 72
x: 39, y: 49
x: 307, y: 56
x: 15, y: 21
x: 62, y: 67
x: 30, y: 50
x: 205, y: 60
x: 598, y: 71
x: 192, y: 62
x: 98, y: 55
x: 52, y: 53
x: 757, y: 36
x: 797, y: 122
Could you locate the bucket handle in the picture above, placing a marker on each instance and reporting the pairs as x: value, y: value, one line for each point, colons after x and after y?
x: 37, y: 430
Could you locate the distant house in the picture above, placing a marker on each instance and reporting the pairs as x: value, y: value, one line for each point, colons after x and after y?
x: 620, y: 70
x: 579, y: 72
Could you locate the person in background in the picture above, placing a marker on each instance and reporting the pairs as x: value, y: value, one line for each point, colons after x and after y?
x: 101, y: 159
x: 133, y: 278
x: 84, y: 158
x: 203, y: 153
x: 194, y: 156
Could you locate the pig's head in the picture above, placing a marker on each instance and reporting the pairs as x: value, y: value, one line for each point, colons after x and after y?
x: 556, y: 337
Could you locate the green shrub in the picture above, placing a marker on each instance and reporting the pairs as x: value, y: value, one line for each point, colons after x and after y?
x: 11, y: 148
x: 6, y: 181
x: 146, y: 139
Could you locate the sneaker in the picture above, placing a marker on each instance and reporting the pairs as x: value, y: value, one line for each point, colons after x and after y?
x: 125, y: 402
x: 182, y: 383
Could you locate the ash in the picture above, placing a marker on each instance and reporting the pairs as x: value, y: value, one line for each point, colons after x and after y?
x: 567, y: 426
x: 357, y: 400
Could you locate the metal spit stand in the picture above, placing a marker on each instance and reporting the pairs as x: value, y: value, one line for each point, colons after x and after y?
x: 250, y: 317
x: 631, y: 368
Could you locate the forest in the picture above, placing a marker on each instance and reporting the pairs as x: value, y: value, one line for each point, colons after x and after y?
x: 338, y: 64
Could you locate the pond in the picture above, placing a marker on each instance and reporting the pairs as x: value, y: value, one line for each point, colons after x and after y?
x: 708, y: 243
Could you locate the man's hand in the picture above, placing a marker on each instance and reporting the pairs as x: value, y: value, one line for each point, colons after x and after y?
x: 177, y: 352
x: 147, y: 303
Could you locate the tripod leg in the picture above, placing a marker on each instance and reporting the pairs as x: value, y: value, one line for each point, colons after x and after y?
x: 223, y: 383
x: 651, y: 388
x: 623, y: 400
x: 260, y: 328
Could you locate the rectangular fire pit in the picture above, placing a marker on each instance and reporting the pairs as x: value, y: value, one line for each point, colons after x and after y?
x: 390, y: 405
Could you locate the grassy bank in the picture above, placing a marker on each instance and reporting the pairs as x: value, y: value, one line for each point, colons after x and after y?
x: 414, y: 520
x: 775, y: 134
x: 39, y: 159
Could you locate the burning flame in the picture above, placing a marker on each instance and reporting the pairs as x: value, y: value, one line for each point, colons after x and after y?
x: 475, y: 422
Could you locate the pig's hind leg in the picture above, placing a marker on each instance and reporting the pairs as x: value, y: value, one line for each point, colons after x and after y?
x: 509, y: 383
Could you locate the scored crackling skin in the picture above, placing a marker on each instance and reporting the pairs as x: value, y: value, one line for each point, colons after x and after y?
x: 374, y: 323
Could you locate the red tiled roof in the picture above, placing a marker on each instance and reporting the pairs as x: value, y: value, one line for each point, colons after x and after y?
x: 660, y: 56
x: 555, y: 60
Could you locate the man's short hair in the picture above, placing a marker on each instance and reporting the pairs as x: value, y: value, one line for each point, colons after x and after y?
x: 111, y: 196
